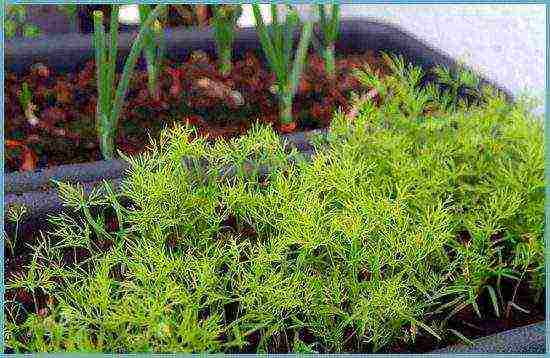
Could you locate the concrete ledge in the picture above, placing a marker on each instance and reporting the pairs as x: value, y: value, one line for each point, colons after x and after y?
x: 524, y: 340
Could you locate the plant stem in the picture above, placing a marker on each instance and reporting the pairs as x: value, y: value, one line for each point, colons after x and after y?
x: 224, y: 54
x: 104, y: 127
x: 14, y: 244
x: 328, y: 56
x: 300, y: 58
x: 224, y: 22
x: 285, y: 107
x: 277, y: 46
x: 106, y: 136
x: 108, y: 109
x: 100, y: 57
x: 330, y: 27
x: 132, y: 60
x: 150, y: 51
x: 113, y: 50
x: 34, y: 301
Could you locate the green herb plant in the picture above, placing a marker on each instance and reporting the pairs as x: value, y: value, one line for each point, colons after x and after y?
x: 401, y: 219
x: 330, y: 26
x: 15, y: 215
x: 224, y: 21
x: 456, y: 84
x: 16, y: 20
x: 110, y: 101
x: 25, y: 100
x: 153, y: 50
x: 16, y: 24
x: 277, y: 43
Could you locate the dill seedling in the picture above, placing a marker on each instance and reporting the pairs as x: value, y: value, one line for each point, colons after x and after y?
x: 390, y: 229
x: 15, y: 214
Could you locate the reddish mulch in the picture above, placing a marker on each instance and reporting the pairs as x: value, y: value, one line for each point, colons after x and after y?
x: 191, y: 91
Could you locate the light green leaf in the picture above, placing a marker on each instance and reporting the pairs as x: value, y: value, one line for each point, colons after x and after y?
x: 31, y: 31
x: 10, y: 28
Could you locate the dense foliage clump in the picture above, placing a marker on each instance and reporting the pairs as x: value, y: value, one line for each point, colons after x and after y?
x: 408, y: 213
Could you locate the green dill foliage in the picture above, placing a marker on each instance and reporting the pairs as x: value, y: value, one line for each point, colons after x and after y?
x: 404, y: 217
x: 224, y: 22
x: 14, y: 215
x: 277, y: 43
x: 111, y: 99
x: 412, y: 90
x: 462, y: 83
x: 16, y: 24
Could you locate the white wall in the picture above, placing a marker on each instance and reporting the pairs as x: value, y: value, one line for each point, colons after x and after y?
x: 505, y: 42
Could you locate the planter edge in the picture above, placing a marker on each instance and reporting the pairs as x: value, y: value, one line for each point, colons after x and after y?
x: 526, y: 339
x: 71, y: 49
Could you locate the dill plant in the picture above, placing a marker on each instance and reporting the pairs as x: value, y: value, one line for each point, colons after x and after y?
x: 17, y: 24
x: 15, y: 215
x: 360, y: 246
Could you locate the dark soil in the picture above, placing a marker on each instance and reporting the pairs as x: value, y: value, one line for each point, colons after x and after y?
x: 469, y: 324
x: 191, y: 91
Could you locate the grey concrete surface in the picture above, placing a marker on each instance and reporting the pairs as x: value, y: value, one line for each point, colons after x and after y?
x: 504, y: 42
x: 523, y: 340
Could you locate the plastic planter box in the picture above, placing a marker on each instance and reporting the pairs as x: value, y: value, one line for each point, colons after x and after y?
x: 65, y: 52
x: 51, y: 20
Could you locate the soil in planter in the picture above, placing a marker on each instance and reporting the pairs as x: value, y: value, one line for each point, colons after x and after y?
x: 469, y: 324
x: 192, y: 91
x: 23, y: 302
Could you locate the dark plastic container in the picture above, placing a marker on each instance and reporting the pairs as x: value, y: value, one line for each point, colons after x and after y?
x: 67, y: 52
x: 51, y: 20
